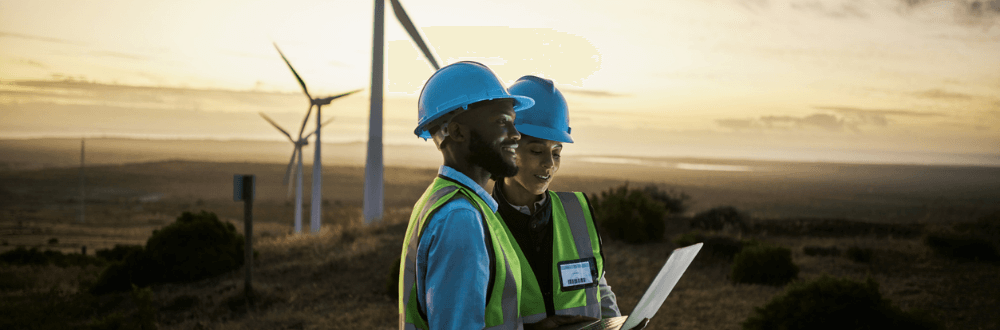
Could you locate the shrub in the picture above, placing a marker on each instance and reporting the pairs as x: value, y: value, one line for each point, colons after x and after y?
x: 857, y: 254
x: 831, y: 303
x: 119, y: 252
x: 34, y: 257
x: 964, y: 247
x: 689, y: 238
x: 720, y: 218
x: 674, y: 202
x: 630, y: 215
x: 53, y: 241
x: 24, y: 257
x: 813, y: 251
x: 764, y: 264
x: 195, y: 247
x: 10, y: 281
x: 723, y: 247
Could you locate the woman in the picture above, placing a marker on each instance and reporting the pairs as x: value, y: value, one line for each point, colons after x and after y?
x: 555, y: 233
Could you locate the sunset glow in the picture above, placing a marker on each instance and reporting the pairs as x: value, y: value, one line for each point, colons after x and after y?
x: 871, y: 81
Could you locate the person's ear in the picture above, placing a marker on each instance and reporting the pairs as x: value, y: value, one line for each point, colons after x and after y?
x: 458, y: 132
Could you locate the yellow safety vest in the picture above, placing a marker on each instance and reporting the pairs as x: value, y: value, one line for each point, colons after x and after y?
x: 574, y: 239
x: 502, y: 300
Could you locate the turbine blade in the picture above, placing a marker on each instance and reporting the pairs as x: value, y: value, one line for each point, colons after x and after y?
x: 412, y: 30
x: 345, y: 94
x: 321, y: 126
x: 303, y: 83
x: 268, y: 119
x: 304, y: 121
x: 288, y: 170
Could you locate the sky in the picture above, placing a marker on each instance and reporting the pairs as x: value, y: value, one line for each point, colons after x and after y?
x: 879, y: 81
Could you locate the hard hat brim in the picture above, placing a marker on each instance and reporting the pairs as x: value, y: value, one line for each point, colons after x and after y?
x: 544, y: 133
x: 520, y: 103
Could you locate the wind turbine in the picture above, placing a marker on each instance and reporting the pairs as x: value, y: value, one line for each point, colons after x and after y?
x: 373, y: 162
x: 317, y: 179
x: 296, y: 153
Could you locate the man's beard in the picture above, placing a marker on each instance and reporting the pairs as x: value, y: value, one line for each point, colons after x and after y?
x: 489, y: 157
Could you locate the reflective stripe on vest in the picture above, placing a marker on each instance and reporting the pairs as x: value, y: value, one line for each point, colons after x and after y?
x: 503, y: 303
x: 573, y: 238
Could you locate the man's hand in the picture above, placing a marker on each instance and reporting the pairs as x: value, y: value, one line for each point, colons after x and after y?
x: 556, y: 321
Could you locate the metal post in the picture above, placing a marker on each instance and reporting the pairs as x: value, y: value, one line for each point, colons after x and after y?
x: 248, y: 232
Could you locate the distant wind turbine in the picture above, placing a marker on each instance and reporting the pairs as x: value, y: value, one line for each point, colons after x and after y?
x: 296, y: 153
x: 83, y: 183
x: 317, y: 179
x: 374, y: 169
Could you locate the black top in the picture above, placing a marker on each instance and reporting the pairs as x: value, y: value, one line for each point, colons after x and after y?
x: 533, y: 234
x: 535, y: 231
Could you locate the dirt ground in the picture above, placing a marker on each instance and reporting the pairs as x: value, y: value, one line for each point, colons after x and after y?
x: 337, y: 279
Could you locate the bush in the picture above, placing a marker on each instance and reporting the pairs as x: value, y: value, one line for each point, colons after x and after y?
x: 53, y: 241
x: 689, y: 238
x: 195, y: 247
x: 34, y: 257
x: 830, y: 303
x: 963, y: 247
x: 764, y: 264
x: 119, y: 252
x: 857, y: 254
x: 10, y: 281
x: 630, y: 215
x: 723, y: 247
x: 813, y: 251
x: 674, y: 202
x: 720, y: 218
x: 24, y: 257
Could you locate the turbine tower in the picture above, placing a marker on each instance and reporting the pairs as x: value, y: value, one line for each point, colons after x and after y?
x: 296, y: 154
x: 317, y: 179
x: 374, y: 163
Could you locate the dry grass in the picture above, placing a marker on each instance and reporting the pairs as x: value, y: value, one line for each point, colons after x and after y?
x: 336, y: 280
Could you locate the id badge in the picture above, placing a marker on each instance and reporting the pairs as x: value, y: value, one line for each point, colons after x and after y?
x: 577, y: 274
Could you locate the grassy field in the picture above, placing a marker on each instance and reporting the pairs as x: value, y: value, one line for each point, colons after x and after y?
x: 337, y: 279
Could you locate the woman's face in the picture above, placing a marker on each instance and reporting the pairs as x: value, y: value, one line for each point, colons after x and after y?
x: 537, y: 162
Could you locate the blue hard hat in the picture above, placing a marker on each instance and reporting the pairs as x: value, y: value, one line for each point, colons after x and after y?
x: 549, y: 118
x: 457, y: 86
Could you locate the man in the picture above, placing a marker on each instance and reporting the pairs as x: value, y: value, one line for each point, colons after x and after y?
x: 458, y: 269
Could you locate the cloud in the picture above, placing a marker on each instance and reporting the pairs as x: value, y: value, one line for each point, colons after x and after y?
x: 841, y: 10
x: 36, y: 38
x: 878, y: 112
x: 120, y: 55
x: 592, y: 93
x: 820, y: 120
x: 842, y: 118
x: 966, y: 11
x: 942, y: 94
x: 973, y: 6
x: 736, y: 124
x: 33, y: 63
x: 755, y: 5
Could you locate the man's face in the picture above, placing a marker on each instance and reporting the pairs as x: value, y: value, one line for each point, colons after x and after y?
x: 493, y: 138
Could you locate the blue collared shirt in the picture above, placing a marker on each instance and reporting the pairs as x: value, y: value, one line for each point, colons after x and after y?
x: 452, y: 261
